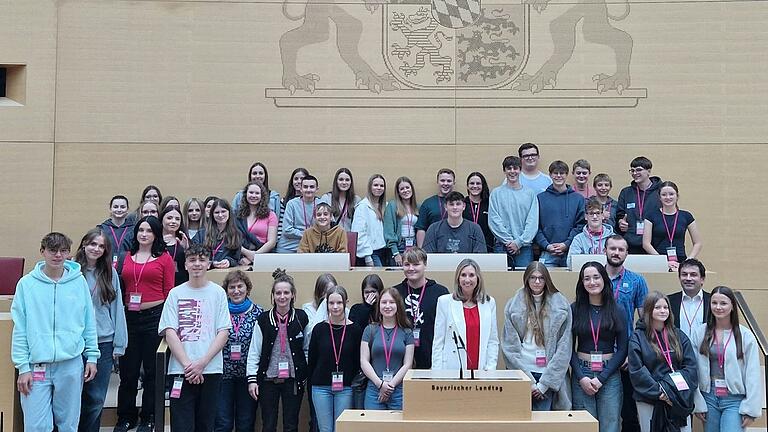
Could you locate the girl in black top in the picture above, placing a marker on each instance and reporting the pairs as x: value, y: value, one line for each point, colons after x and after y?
x: 277, y: 365
x: 600, y: 339
x: 661, y: 360
x: 176, y: 241
x: 477, y: 200
x: 334, y: 361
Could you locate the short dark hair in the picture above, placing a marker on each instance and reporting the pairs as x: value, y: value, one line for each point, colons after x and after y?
x: 309, y: 177
x: 617, y: 237
x: 446, y: 171
x: 693, y: 262
x: 527, y: 146
x: 642, y: 162
x: 593, y: 204
x: 511, y: 161
x: 558, y: 166
x: 55, y: 241
x: 199, y: 250
x: 118, y: 197
x: 454, y: 196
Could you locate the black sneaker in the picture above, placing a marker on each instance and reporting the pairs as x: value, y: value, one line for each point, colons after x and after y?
x: 123, y: 425
x: 147, y: 425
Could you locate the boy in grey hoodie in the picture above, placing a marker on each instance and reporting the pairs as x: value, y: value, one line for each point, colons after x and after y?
x: 591, y: 241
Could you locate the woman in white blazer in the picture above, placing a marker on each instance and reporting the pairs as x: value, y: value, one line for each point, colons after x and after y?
x: 470, y: 314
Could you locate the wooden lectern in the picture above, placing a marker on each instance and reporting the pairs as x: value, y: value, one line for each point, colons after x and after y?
x: 438, y: 401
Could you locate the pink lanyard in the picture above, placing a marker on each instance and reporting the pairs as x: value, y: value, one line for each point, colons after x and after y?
x: 721, y: 353
x: 595, y: 335
x: 421, y: 297
x: 282, y: 331
x: 343, y: 211
x: 141, y: 272
x: 387, y: 353
x: 472, y: 208
x: 640, y: 203
x: 237, y: 322
x: 409, y: 223
x: 592, y: 242
x: 307, y: 222
x: 337, y: 353
x: 216, y: 250
x: 118, y: 242
x: 685, y: 311
x: 665, y: 349
x: 670, y: 235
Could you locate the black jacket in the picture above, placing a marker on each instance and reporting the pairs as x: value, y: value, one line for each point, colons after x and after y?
x: 268, y: 324
x: 677, y: 298
x: 647, y: 370
x: 422, y: 356
x: 670, y: 418
x: 629, y: 206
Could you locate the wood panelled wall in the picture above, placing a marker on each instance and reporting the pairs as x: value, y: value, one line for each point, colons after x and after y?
x: 187, y: 94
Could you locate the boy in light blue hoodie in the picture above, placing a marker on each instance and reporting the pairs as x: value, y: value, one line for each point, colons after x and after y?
x: 53, y: 330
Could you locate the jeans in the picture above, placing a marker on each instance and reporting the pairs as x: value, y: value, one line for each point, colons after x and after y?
x: 395, y: 401
x: 629, y: 417
x: 237, y: 409
x: 195, y: 409
x: 550, y: 260
x: 605, y: 406
x: 329, y: 405
x: 270, y: 395
x: 142, y: 345
x: 358, y: 396
x: 543, y: 404
x: 722, y: 412
x: 95, y: 391
x: 522, y: 258
x: 56, y: 398
x: 380, y: 258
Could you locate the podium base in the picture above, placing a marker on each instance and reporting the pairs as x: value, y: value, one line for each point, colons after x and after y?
x: 391, y: 421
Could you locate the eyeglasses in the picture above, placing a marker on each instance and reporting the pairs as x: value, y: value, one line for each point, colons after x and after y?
x: 530, y: 156
x: 636, y: 170
x: 63, y: 251
x: 595, y: 213
x: 536, y: 278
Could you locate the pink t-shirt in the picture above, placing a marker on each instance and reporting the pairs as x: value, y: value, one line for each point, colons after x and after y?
x: 260, y: 228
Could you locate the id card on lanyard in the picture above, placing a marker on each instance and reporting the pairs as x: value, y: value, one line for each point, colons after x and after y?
x: 595, y: 357
x: 416, y: 311
x: 666, y: 352
x: 671, y: 249
x: 387, y: 375
x: 134, y: 298
x: 721, y: 388
x: 640, y: 225
x: 282, y: 331
x: 337, y: 377
x: 236, y: 349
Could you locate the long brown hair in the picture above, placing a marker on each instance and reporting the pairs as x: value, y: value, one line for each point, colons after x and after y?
x: 709, y: 334
x: 349, y: 195
x: 379, y: 203
x: 322, y: 284
x: 536, y: 318
x: 411, y: 203
x: 103, y: 271
x: 401, y: 319
x: 231, y: 235
x: 649, y: 305
x: 262, y: 208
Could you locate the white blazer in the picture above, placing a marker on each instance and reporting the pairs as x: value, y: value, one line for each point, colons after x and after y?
x: 450, y: 318
x: 369, y: 229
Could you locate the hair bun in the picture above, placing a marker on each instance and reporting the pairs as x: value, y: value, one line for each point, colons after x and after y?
x: 278, y: 273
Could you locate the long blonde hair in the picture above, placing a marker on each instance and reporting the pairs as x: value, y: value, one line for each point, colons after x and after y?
x: 478, y: 295
x: 536, y: 318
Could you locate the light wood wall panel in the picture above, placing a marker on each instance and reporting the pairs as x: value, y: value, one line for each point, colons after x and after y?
x: 28, y: 32
x: 26, y: 173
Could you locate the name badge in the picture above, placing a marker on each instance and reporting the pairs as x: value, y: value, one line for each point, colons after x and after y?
x: 409, y: 242
x: 134, y: 302
x: 640, y: 228
x: 630, y: 206
x: 282, y: 370
x: 672, y: 254
x: 721, y: 389
x: 387, y: 375
x: 596, y: 361
x: 337, y: 381
x: 541, y: 358
x: 235, y: 352
x: 176, y: 389
x: 114, y: 261
x: 416, y: 333
x: 38, y: 372
x: 679, y: 381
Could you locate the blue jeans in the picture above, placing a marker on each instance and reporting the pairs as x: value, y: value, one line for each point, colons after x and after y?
x: 395, y: 401
x: 522, y: 258
x: 550, y: 260
x: 237, y: 409
x: 329, y: 405
x: 56, y: 398
x: 95, y: 391
x: 605, y: 406
x: 543, y: 404
x: 722, y: 412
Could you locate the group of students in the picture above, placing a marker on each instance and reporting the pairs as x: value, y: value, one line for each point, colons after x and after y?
x: 228, y: 354
x: 531, y: 214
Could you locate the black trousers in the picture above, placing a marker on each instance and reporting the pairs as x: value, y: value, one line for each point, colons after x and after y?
x: 270, y: 395
x: 142, y: 345
x: 195, y: 410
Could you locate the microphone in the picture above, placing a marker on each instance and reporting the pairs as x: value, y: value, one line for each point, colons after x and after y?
x: 464, y: 347
x: 456, y: 340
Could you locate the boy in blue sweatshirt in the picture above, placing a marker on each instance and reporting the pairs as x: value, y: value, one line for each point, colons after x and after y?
x: 53, y: 329
x: 561, y: 217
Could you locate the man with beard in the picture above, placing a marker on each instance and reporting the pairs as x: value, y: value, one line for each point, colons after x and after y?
x: 433, y: 208
x: 629, y: 290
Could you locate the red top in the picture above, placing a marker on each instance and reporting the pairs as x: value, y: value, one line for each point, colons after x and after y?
x: 472, y: 320
x: 153, y: 280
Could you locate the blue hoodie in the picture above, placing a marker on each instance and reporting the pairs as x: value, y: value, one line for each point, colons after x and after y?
x: 561, y: 216
x: 52, y: 321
